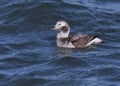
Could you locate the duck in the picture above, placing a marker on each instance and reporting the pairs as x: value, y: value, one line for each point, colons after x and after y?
x: 65, y: 40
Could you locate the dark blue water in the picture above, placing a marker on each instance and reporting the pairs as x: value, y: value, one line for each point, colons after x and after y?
x: 28, y: 52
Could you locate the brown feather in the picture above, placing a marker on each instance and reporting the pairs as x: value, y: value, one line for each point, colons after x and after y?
x: 80, y: 41
x: 64, y: 29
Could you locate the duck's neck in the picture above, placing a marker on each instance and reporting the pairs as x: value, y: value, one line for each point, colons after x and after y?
x: 63, y: 32
x: 62, y: 36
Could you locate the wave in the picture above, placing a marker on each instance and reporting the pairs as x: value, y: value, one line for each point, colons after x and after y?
x: 28, y: 51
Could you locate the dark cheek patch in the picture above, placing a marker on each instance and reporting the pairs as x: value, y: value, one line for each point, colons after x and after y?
x: 64, y: 29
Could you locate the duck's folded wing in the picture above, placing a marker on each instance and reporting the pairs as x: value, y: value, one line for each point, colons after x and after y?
x: 81, y: 40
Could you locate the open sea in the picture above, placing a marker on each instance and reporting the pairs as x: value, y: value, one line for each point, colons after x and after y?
x: 29, y: 55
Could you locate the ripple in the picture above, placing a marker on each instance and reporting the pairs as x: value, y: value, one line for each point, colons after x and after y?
x: 26, y: 81
x: 2, y: 76
x: 70, y: 62
x: 106, y: 1
x: 12, y: 63
x: 4, y: 49
x: 28, y: 52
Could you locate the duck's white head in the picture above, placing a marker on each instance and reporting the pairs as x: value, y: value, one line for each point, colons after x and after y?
x: 63, y: 28
x: 60, y: 24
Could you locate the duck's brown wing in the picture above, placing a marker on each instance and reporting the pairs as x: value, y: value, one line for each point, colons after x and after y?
x: 81, y: 40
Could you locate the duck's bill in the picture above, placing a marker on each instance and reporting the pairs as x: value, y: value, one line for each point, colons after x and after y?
x: 51, y: 27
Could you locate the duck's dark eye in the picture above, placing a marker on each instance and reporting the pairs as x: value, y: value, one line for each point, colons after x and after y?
x: 59, y: 24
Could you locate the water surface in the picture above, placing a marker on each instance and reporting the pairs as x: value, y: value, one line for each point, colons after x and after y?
x: 28, y: 52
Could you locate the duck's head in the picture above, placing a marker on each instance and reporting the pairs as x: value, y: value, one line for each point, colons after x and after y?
x: 61, y: 26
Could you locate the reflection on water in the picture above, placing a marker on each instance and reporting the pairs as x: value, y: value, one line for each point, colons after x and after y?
x: 64, y: 51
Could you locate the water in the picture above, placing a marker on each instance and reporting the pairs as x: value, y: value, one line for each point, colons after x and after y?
x: 28, y: 52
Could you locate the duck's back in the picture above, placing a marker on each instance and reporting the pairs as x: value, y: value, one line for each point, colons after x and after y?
x: 82, y: 40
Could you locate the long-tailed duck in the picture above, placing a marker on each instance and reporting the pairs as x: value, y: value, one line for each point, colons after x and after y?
x: 75, y: 41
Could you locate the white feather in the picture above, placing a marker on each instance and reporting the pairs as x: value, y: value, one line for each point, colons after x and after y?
x: 63, y: 35
x: 68, y: 45
x: 95, y: 41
